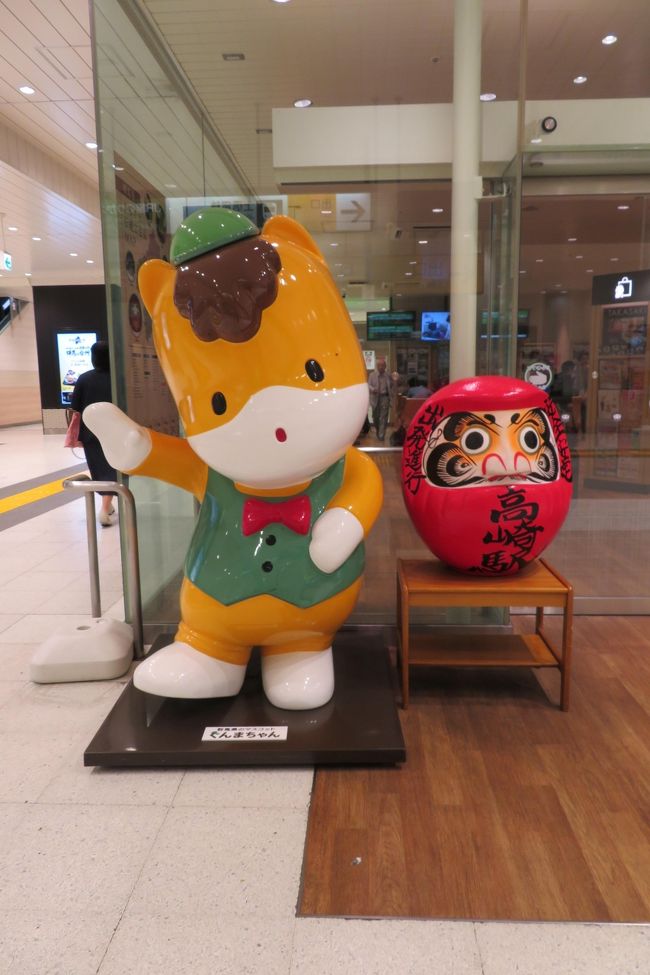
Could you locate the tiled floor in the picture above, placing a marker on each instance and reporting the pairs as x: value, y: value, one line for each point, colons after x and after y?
x: 175, y: 871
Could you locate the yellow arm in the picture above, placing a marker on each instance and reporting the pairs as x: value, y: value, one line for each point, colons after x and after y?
x: 173, y: 460
x: 362, y: 491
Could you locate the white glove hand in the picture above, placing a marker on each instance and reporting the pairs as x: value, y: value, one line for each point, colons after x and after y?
x: 124, y: 442
x: 334, y: 538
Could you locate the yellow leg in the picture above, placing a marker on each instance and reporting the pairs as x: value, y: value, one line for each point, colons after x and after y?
x: 229, y: 632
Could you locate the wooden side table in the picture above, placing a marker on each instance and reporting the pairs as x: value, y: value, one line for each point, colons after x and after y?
x: 428, y: 582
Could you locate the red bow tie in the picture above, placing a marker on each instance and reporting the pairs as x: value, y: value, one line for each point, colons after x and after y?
x: 294, y: 514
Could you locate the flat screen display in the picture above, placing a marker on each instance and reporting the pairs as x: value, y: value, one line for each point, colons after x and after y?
x: 435, y: 326
x: 73, y: 349
x: 390, y: 324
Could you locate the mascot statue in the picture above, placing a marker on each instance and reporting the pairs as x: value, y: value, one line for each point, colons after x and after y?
x: 270, y: 383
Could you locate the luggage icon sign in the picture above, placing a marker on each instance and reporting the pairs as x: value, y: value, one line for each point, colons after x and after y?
x: 623, y: 288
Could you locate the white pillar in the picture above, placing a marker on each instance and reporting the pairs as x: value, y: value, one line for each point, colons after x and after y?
x: 465, y: 187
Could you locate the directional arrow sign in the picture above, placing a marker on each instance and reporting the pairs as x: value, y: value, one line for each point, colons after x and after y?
x: 353, y: 211
x: 356, y: 210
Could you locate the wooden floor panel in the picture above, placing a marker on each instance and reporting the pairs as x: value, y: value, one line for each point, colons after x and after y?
x: 506, y: 808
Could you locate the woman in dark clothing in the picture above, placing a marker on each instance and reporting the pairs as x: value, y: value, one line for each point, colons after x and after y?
x: 95, y: 387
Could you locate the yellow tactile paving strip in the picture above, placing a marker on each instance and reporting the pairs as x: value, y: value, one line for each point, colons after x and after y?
x: 33, y: 494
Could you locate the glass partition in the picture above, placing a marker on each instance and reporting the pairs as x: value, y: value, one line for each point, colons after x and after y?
x: 585, y: 261
x: 154, y: 149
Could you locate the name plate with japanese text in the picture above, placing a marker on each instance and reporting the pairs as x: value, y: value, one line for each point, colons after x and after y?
x: 246, y: 733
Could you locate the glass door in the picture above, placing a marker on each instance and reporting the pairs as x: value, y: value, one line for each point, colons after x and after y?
x: 585, y: 288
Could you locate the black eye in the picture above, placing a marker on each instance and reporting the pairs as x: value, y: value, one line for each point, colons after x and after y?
x: 475, y: 440
x: 314, y: 370
x: 529, y: 439
x: 219, y: 403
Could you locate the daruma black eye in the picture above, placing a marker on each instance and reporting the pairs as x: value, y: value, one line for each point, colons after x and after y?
x: 219, y: 403
x: 475, y: 440
x: 314, y: 370
x: 529, y: 439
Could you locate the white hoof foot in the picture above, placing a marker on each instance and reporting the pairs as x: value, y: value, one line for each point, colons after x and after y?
x: 178, y: 670
x: 298, y: 681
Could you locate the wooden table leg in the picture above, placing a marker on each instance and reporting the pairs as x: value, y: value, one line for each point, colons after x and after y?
x: 403, y: 622
x: 565, y: 669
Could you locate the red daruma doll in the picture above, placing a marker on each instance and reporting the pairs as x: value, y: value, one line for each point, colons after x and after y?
x: 486, y: 474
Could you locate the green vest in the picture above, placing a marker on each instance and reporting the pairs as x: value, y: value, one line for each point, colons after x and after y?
x: 230, y: 566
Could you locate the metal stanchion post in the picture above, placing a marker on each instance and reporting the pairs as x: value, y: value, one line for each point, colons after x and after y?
x: 93, y: 561
x: 88, y: 487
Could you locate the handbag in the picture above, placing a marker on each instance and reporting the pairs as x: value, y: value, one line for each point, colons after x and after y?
x: 72, y: 433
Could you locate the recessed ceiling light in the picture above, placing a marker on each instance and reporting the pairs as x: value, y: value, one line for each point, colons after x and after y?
x: 334, y: 244
x: 589, y: 270
x: 623, y: 206
x: 487, y: 96
x: 580, y: 80
x: 539, y: 260
x: 521, y: 271
x: 437, y: 210
x: 302, y: 103
x: 118, y: 169
x: 326, y: 213
x: 36, y: 238
x: 423, y: 241
x: 280, y: 1
x: 408, y: 274
x: 26, y: 90
x: 28, y: 274
x: 91, y: 145
x: 536, y: 141
x: 572, y: 240
x: 609, y: 39
x: 73, y: 254
x: 613, y: 258
x: 12, y: 228
x: 563, y: 292
x: 238, y: 56
x: 578, y: 257
x: 88, y: 261
x: 412, y: 262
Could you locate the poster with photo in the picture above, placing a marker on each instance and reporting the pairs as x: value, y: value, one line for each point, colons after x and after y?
x: 624, y: 330
x: 631, y: 405
x: 142, y: 230
x: 610, y: 373
x: 73, y: 349
x: 608, y: 404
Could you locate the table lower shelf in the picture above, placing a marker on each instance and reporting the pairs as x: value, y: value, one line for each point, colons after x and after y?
x: 479, y: 650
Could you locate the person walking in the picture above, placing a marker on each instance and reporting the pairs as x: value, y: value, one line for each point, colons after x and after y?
x: 94, y: 386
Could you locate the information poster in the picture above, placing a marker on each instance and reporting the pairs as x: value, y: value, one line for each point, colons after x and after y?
x: 142, y: 228
x: 73, y: 350
x: 624, y: 330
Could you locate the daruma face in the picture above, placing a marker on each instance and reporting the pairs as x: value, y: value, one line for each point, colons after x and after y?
x: 486, y: 474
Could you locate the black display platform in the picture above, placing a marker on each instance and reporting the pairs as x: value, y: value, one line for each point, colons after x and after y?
x: 360, y: 725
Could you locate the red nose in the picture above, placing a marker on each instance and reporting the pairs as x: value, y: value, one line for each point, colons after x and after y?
x: 281, y: 434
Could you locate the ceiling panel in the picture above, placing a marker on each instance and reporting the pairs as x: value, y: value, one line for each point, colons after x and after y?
x: 337, y: 52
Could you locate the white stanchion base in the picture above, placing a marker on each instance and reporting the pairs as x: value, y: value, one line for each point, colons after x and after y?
x: 101, y: 649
